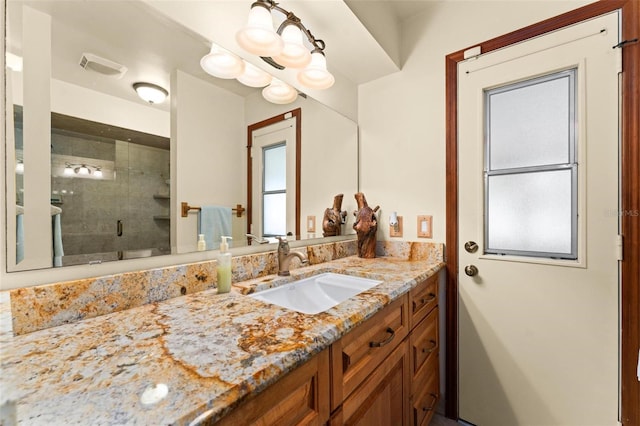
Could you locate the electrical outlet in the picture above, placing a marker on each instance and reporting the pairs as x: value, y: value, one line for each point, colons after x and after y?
x: 425, y: 226
x: 396, y: 231
x: 311, y: 224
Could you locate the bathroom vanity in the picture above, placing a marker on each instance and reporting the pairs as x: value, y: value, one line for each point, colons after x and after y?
x: 230, y: 359
x: 384, y: 371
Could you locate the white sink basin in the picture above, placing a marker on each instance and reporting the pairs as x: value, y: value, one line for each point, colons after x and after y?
x: 317, y: 293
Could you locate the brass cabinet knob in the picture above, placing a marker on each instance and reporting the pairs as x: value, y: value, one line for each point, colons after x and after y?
x: 471, y: 270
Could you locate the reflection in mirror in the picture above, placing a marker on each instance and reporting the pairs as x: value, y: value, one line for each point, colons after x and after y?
x: 138, y: 195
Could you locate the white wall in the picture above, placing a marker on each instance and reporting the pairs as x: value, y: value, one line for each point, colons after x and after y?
x: 207, y: 149
x: 329, y: 157
x: 402, y: 116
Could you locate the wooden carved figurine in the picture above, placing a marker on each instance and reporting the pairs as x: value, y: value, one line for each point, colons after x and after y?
x: 366, y: 226
x: 333, y: 218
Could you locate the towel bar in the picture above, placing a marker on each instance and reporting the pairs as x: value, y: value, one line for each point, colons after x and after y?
x: 185, y: 208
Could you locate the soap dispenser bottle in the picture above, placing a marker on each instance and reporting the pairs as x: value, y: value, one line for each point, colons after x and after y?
x: 224, y: 267
x: 202, y: 244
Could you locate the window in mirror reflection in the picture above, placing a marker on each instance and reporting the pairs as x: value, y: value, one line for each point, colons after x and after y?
x: 274, y: 193
x: 19, y: 182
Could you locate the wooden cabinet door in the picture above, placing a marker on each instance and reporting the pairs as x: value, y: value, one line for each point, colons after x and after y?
x: 383, y: 399
x: 299, y: 398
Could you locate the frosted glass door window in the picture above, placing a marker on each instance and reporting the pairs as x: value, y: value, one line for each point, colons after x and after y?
x: 275, y: 168
x: 530, y: 169
x: 530, y: 124
x: 274, y: 191
x: 530, y: 212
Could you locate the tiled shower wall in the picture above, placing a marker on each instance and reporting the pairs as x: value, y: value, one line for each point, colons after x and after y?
x: 91, y: 208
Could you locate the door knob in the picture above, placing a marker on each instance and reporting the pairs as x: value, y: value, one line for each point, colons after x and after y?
x: 471, y: 270
x: 471, y: 246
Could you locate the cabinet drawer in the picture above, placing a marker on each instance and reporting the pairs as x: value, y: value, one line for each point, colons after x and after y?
x: 425, y: 401
x: 299, y: 398
x: 424, y: 341
x: 423, y: 298
x: 383, y: 398
x: 358, y: 353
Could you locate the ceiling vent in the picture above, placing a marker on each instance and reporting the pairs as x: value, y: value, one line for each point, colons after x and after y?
x: 92, y: 62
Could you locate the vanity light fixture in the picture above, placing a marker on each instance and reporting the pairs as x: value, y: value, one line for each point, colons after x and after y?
x: 279, y: 92
x: 221, y: 63
x: 83, y: 169
x: 254, y: 76
x: 285, y: 47
x: 151, y: 93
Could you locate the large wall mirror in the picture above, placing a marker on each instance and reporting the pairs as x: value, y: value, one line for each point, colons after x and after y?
x: 100, y: 175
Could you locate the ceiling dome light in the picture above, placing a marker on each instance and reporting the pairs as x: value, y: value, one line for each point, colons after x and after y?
x: 316, y: 76
x: 150, y: 92
x: 221, y: 63
x: 258, y: 36
x: 254, y: 76
x: 294, y: 54
x: 279, y: 92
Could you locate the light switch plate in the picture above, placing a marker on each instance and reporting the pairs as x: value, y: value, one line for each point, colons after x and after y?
x: 311, y: 224
x: 425, y: 226
x: 396, y: 231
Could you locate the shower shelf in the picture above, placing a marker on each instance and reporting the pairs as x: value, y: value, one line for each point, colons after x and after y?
x: 161, y: 197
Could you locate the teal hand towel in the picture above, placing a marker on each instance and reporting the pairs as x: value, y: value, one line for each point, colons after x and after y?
x: 214, y: 222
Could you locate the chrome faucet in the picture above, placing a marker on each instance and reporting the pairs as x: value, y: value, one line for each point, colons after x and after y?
x: 285, y: 256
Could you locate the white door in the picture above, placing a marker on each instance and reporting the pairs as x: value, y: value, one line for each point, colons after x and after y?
x: 273, y: 156
x: 538, y: 192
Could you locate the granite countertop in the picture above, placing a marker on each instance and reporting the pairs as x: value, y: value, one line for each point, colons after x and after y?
x: 205, y: 351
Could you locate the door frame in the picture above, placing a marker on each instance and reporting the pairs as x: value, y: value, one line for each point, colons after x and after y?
x: 630, y: 196
x: 297, y: 115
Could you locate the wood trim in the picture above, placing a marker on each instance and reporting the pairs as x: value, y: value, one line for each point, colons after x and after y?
x: 297, y: 114
x: 630, y: 220
x: 630, y: 184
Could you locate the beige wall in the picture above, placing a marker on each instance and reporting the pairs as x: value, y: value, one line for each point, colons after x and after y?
x: 402, y: 116
x: 207, y: 149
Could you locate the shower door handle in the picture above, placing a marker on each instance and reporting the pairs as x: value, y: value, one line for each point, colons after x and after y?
x: 119, y: 228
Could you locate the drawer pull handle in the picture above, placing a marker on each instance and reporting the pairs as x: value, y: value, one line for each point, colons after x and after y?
x: 392, y: 334
x: 433, y: 403
x: 433, y: 346
x: 423, y: 301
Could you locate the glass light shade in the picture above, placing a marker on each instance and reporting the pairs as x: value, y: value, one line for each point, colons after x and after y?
x: 98, y: 173
x: 279, y: 92
x: 68, y: 170
x: 20, y: 167
x: 254, y: 76
x: 294, y: 54
x: 83, y: 170
x: 258, y: 36
x: 221, y: 63
x: 316, y: 76
x: 150, y: 92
